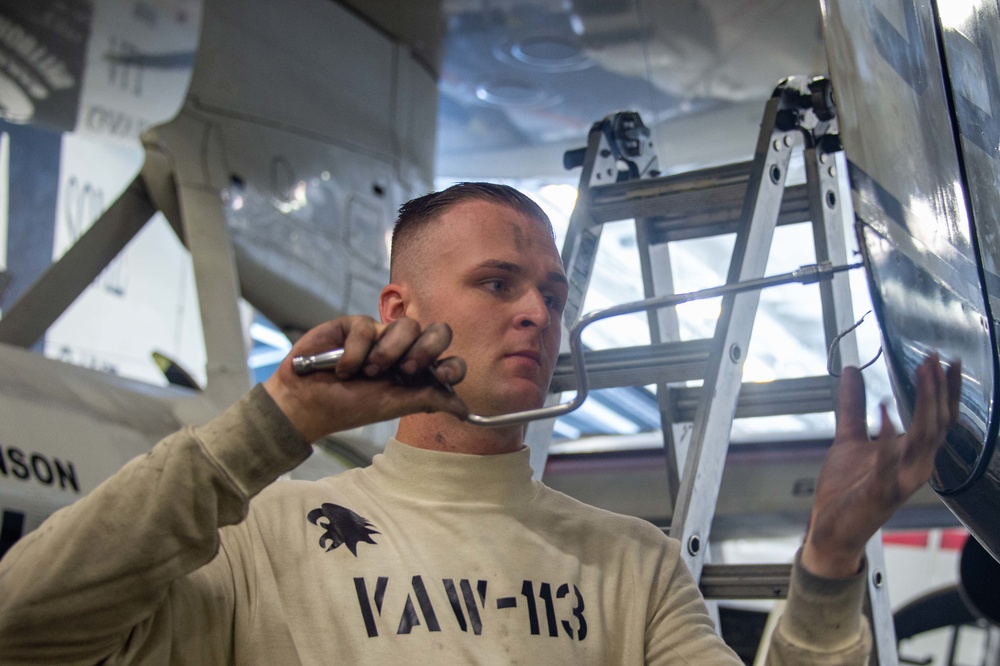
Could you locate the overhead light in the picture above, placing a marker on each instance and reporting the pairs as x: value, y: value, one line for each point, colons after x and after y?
x: 546, y: 53
x: 512, y: 92
x: 550, y: 53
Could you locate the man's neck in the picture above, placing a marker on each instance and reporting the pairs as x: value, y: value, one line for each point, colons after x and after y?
x: 443, y: 432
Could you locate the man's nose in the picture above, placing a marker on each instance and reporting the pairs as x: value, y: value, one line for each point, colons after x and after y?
x: 533, y: 311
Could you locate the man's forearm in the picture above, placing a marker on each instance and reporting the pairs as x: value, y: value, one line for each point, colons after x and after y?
x: 76, y: 586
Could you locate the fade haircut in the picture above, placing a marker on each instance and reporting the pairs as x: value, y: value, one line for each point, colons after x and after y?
x: 417, y: 214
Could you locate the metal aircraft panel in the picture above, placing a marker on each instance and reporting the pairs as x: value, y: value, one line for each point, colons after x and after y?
x: 970, y: 31
x: 915, y: 222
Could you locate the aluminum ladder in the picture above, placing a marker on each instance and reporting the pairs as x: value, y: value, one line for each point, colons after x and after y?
x: 619, y: 181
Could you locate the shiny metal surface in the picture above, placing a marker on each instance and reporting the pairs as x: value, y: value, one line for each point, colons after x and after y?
x: 305, y: 365
x: 922, y: 151
x: 970, y: 32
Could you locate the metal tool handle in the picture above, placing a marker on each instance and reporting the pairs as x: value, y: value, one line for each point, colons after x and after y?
x: 805, y: 275
x: 304, y: 365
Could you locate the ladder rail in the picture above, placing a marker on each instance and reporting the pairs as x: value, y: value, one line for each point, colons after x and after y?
x: 835, y: 295
x: 698, y: 494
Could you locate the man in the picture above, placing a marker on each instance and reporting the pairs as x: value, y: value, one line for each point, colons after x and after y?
x: 444, y: 551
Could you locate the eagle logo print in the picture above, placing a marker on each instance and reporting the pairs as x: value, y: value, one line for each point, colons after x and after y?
x: 342, y: 526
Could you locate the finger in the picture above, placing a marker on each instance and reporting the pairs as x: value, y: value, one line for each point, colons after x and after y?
x: 360, y: 335
x: 887, y: 440
x: 324, y: 337
x: 449, y: 371
x: 396, y: 339
x: 423, y: 353
x: 439, y: 400
x: 887, y: 431
x: 891, y: 449
x: 427, y: 399
x: 954, y: 390
x: 851, y: 422
x: 943, y: 407
x: 924, y: 428
x: 927, y: 434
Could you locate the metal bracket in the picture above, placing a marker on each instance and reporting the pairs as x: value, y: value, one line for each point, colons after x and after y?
x: 36, y: 310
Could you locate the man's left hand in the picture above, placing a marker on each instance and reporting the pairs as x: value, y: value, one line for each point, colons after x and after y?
x: 864, y: 481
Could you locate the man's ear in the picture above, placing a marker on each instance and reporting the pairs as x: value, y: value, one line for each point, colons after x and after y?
x: 392, y: 302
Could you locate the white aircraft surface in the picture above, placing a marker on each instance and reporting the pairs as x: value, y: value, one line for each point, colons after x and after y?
x: 239, y: 152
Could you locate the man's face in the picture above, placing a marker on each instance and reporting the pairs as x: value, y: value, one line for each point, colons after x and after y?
x: 494, y: 275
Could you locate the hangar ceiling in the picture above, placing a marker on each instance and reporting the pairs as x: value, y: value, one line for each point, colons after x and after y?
x: 523, y: 80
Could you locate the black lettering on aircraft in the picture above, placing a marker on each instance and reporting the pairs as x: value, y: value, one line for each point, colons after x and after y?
x: 82, y: 204
x: 46, y: 471
x: 11, y: 530
x: 18, y: 468
x: 42, y: 469
x: 544, y: 612
x: 67, y: 354
x: 121, y: 72
x: 111, y: 121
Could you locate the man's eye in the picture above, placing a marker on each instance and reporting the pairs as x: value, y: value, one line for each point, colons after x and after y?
x: 496, y: 285
x: 554, y: 303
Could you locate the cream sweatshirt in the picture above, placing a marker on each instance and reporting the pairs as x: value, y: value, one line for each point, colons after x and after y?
x: 423, y: 558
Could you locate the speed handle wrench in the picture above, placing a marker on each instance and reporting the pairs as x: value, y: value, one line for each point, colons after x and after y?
x: 803, y: 275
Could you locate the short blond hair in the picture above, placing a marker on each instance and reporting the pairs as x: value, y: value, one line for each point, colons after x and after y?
x: 416, y: 214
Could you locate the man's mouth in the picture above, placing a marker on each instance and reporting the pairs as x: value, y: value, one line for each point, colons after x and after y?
x: 530, y: 354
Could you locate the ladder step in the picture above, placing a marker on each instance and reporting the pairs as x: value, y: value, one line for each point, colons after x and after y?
x: 696, y: 204
x: 673, y: 362
x: 745, y: 581
x: 636, y: 366
x: 801, y: 395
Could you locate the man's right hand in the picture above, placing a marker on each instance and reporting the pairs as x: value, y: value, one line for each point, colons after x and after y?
x: 366, y: 386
